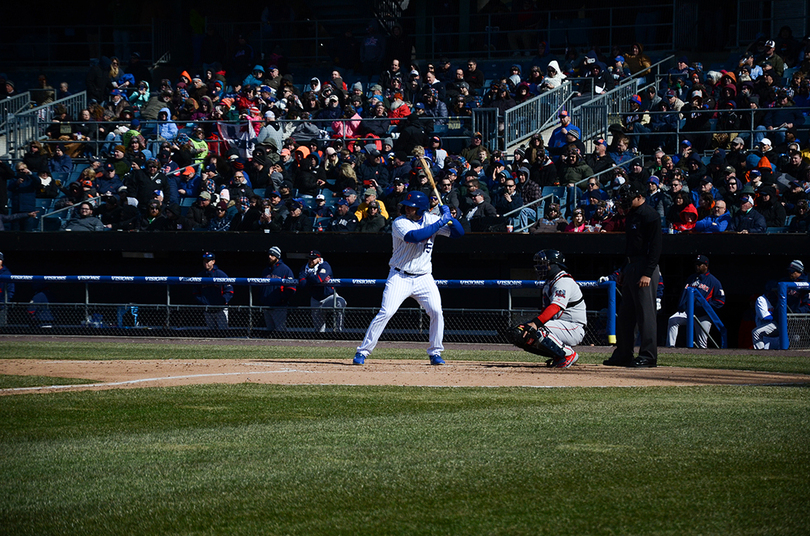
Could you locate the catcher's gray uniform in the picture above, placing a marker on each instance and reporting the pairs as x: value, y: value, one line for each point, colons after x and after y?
x: 569, y: 323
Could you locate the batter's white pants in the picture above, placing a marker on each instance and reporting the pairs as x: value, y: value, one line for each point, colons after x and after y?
x: 569, y: 333
x: 679, y: 319
x: 398, y: 288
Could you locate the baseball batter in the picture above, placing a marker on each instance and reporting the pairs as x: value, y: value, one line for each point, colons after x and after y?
x: 562, y: 322
x: 410, y: 273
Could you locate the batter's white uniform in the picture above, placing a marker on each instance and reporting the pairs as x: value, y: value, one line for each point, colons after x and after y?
x: 568, y: 325
x: 410, y: 275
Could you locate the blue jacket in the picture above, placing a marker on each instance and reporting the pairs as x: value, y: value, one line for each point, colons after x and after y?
x: 24, y: 196
x: 713, y: 224
x: 315, y: 277
x: 708, y: 286
x: 213, y: 294
x: 752, y: 221
x: 61, y: 165
x: 277, y: 294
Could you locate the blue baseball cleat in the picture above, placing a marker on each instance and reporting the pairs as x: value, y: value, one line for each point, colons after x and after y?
x: 359, y: 359
x: 436, y: 359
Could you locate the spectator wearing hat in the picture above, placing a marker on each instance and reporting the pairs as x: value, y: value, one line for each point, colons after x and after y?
x: 373, y: 221
x: 801, y: 220
x: 476, y: 143
x: 221, y: 221
x: 778, y: 120
x: 213, y: 296
x: 480, y: 212
x: 599, y: 160
x: 559, y: 140
x: 60, y: 162
x: 153, y: 219
x: 344, y: 219
x: 747, y: 220
x: 769, y: 206
x: 658, y: 199
x: 711, y: 290
x: 23, y: 193
x: 143, y: 183
x: 401, y: 167
x: 372, y: 173
x: 770, y: 57
x: 636, y: 122
x: 321, y: 208
x: 108, y: 182
x: 271, y: 133
x: 370, y: 196
x: 296, y: 220
x: 573, y: 168
x: 202, y: 211
x: 395, y: 195
x: 350, y: 195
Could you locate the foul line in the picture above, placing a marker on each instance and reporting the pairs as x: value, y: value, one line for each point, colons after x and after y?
x: 144, y: 380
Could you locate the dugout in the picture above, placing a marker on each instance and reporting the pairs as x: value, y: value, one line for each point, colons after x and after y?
x: 742, y: 262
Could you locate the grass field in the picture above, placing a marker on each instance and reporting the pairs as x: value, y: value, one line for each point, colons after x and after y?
x: 264, y: 459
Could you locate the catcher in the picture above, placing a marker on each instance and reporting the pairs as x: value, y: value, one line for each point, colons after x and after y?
x: 561, y: 324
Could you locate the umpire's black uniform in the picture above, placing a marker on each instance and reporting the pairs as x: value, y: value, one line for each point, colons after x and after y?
x: 643, y: 229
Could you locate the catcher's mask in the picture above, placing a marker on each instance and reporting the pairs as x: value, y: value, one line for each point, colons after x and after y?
x: 544, y: 259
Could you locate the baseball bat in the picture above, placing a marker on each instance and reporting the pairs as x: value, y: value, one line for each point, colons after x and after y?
x: 429, y: 175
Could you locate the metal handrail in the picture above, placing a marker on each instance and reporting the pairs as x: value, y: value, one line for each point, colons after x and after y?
x: 543, y: 198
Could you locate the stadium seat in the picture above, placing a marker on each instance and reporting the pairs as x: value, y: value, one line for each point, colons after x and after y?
x: 260, y: 192
x: 322, y: 221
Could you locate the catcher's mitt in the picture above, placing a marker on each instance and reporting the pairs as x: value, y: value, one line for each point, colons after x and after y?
x: 524, y: 337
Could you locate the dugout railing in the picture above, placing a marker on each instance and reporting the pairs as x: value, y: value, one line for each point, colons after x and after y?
x: 793, y: 328
x: 335, y: 320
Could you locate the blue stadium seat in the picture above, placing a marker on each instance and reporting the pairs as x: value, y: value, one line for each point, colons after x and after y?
x: 323, y: 221
x: 260, y: 192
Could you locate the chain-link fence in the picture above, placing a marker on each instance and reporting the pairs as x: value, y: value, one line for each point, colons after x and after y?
x: 798, y: 330
x: 332, y: 319
x: 328, y: 322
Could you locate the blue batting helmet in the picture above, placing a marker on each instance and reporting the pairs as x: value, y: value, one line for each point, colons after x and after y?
x: 418, y: 200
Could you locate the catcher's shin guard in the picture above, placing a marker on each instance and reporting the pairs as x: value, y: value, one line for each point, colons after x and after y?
x: 549, y: 345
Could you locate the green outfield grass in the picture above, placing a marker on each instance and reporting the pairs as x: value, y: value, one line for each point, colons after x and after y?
x: 10, y: 381
x: 301, y: 460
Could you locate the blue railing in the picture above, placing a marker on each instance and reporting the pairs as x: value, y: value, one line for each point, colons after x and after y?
x: 506, y: 284
x: 696, y: 298
x: 782, y: 311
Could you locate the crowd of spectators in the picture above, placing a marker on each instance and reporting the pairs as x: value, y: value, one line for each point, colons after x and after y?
x: 251, y: 150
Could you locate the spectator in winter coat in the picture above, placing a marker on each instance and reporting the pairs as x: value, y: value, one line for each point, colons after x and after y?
x: 748, y: 220
x: 85, y: 221
x: 60, y: 162
x: 23, y: 190
x: 717, y: 222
